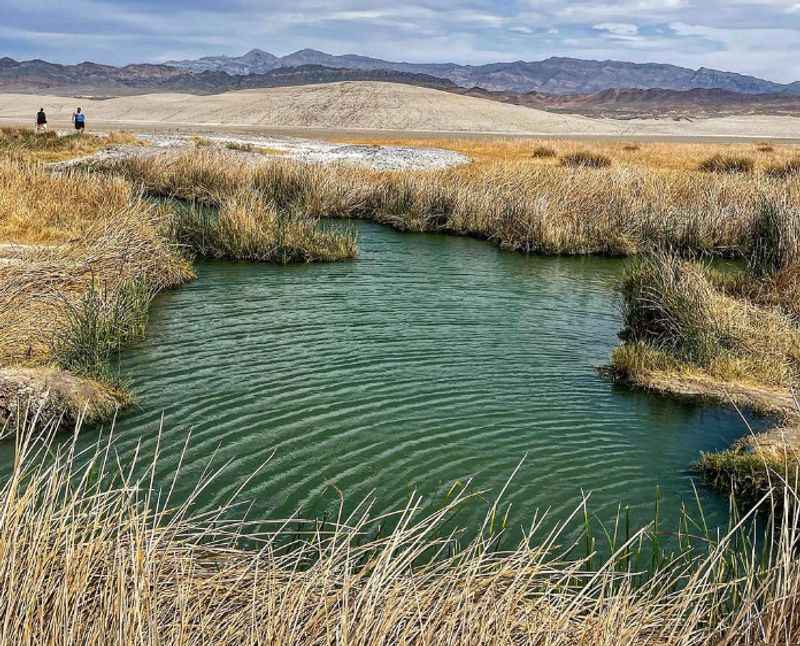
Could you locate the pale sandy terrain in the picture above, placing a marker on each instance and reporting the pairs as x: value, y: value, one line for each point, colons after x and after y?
x: 338, y: 105
x: 371, y: 105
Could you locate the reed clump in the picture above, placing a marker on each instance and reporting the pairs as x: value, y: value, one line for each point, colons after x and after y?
x: 245, y: 227
x: 97, y: 324
x: 543, y: 152
x: 727, y: 164
x: 776, y: 238
x: 585, y: 159
x: 672, y: 306
x: 96, y: 552
x: 786, y: 170
x: 534, y: 208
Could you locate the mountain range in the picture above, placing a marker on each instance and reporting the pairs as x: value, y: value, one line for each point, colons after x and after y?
x: 559, y: 76
x: 595, y: 88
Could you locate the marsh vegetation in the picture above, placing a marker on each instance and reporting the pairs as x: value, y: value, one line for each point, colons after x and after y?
x: 92, y: 249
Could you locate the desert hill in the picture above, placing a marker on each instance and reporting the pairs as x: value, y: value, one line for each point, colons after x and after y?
x: 379, y: 105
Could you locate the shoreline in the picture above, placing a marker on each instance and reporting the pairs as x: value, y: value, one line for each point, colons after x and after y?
x: 697, y: 389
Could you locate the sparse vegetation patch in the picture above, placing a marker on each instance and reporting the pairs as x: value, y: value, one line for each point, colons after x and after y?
x: 583, y: 159
x: 727, y: 164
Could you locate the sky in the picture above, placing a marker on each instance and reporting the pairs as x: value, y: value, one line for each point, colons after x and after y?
x: 759, y: 37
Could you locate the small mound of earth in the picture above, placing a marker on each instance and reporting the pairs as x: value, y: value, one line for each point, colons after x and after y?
x: 52, y: 394
x: 258, y: 149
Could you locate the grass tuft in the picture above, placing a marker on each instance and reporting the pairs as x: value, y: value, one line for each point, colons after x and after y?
x: 98, y: 325
x: 584, y: 159
x: 786, y: 170
x: 671, y: 305
x: 543, y: 152
x: 775, y: 245
x: 727, y: 164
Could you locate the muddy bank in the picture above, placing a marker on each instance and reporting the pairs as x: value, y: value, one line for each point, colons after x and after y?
x: 51, y: 393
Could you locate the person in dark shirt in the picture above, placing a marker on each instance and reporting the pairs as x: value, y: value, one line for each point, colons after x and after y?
x: 41, y: 121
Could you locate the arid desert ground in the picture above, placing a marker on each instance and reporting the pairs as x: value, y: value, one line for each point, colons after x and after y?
x: 372, y: 106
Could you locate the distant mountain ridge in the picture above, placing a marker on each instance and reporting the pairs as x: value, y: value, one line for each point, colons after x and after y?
x: 38, y: 75
x: 556, y: 75
x: 593, y: 88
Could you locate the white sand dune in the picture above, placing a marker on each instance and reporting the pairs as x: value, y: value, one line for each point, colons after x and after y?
x: 371, y: 105
x: 377, y: 105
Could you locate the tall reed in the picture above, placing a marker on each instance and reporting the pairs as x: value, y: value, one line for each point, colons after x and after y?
x: 96, y: 552
x: 520, y: 206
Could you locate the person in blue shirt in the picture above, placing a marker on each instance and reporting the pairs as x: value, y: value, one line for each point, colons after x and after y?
x: 79, y: 119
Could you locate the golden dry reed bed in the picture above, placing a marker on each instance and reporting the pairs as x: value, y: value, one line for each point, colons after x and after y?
x: 529, y: 206
x: 90, y: 553
x: 93, y: 555
x: 82, y: 256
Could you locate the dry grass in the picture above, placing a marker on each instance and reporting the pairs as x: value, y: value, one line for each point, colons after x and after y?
x: 92, y: 553
x: 673, y: 307
x: 657, y: 156
x: 727, y: 164
x: 524, y: 206
x: 543, y: 152
x: 786, y: 170
x: 584, y: 159
x: 24, y: 144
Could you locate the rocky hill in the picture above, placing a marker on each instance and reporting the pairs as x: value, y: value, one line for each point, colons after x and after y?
x: 39, y: 75
x: 556, y: 75
x: 652, y: 103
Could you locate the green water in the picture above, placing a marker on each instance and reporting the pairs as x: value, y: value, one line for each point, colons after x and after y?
x: 430, y: 360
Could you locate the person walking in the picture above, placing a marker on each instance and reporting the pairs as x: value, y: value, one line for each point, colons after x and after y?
x: 41, y: 121
x: 79, y: 119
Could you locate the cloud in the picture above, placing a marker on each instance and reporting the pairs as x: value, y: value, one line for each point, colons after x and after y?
x: 750, y: 36
x: 619, y: 30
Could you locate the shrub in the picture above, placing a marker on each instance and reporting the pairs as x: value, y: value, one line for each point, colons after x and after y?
x: 727, y: 164
x: 240, y: 147
x: 543, y: 152
x: 786, y: 170
x: 765, y: 148
x: 583, y: 159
